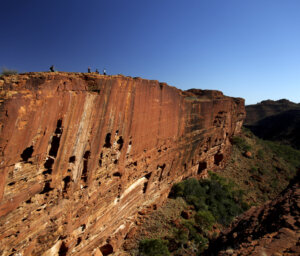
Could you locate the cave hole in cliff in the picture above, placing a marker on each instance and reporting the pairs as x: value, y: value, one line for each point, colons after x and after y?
x: 72, y: 159
x: 147, y: 176
x: 66, y: 181
x: 100, y: 160
x: 145, y: 187
x: 47, y: 188
x: 48, y: 165
x: 107, y: 143
x: 120, y: 142
x: 218, y: 158
x: 201, y: 167
x: 11, y: 183
x: 85, y: 165
x: 27, y: 153
x: 63, y: 249
x: 54, y: 145
x: 106, y: 249
x: 58, y: 129
x: 117, y: 174
x: 78, y: 241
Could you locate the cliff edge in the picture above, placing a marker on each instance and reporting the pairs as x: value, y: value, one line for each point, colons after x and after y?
x: 81, y: 154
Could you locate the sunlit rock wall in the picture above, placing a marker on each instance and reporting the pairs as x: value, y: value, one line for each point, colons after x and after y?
x: 81, y: 154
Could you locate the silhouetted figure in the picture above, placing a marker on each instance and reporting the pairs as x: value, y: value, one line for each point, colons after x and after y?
x: 97, y: 71
x: 52, y: 68
x: 89, y: 70
x: 104, y: 71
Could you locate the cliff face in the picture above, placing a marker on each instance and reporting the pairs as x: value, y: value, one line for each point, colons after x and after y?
x: 81, y: 154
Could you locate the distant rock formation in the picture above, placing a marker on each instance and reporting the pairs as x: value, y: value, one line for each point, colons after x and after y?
x: 275, y: 120
x: 81, y: 154
x: 271, y: 229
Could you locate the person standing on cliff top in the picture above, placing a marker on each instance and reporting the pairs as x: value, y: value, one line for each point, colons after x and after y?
x: 104, y: 71
x: 89, y: 70
x: 97, y: 71
x: 52, y: 68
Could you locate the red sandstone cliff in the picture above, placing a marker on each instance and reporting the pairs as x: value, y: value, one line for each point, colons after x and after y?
x: 81, y: 154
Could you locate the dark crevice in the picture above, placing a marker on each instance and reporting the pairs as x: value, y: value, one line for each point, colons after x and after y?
x: 67, y: 181
x: 120, y: 142
x: 147, y: 176
x: 78, y: 241
x: 58, y: 129
x: 63, y: 249
x: 72, y: 159
x: 107, y: 141
x: 218, y: 158
x: 47, y: 188
x: 117, y: 174
x: 106, y: 249
x: 11, y: 183
x: 100, y: 160
x: 56, y: 139
x: 145, y: 187
x: 116, y: 161
x: 54, y: 145
x: 49, y: 162
x: 201, y: 167
x: 85, y: 165
x: 27, y: 153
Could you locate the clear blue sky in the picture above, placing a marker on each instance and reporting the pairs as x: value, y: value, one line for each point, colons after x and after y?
x: 245, y: 48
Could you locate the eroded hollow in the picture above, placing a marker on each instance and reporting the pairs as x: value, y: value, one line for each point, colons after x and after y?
x: 27, y: 153
x: 106, y: 249
x: 107, y: 143
x: 63, y: 250
x: 218, y: 158
x: 72, y: 159
x: 201, y: 167
x: 85, y: 165
x: 67, y: 181
x: 120, y: 142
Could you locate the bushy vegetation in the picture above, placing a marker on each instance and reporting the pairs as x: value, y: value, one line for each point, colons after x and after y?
x: 6, y: 71
x: 153, y: 247
x: 214, y: 197
x: 241, y: 143
x: 286, y: 152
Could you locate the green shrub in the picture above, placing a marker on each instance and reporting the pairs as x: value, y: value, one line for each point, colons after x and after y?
x: 288, y: 153
x: 204, y: 219
x: 6, y: 71
x: 260, y: 154
x: 241, y: 143
x: 153, y: 247
x: 216, y: 195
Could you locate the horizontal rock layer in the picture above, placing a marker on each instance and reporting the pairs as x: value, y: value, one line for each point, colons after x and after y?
x: 81, y: 154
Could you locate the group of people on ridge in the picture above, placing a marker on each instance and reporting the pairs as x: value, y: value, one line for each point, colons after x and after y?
x: 89, y: 70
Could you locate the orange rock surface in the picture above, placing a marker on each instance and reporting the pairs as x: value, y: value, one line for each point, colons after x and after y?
x: 82, y: 154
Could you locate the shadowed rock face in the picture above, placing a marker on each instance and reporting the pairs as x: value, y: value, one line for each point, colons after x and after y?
x: 271, y: 229
x: 82, y: 154
x: 275, y: 120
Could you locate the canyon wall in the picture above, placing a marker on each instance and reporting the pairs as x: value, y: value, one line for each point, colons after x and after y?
x: 82, y: 154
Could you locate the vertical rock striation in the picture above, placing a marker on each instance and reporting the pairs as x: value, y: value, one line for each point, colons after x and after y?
x: 81, y: 154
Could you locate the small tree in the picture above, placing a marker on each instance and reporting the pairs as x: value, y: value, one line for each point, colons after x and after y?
x: 153, y: 247
x: 7, y: 72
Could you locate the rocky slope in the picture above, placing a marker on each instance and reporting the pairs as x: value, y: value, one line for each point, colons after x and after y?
x: 275, y: 120
x: 266, y: 108
x: 271, y: 229
x: 81, y: 154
